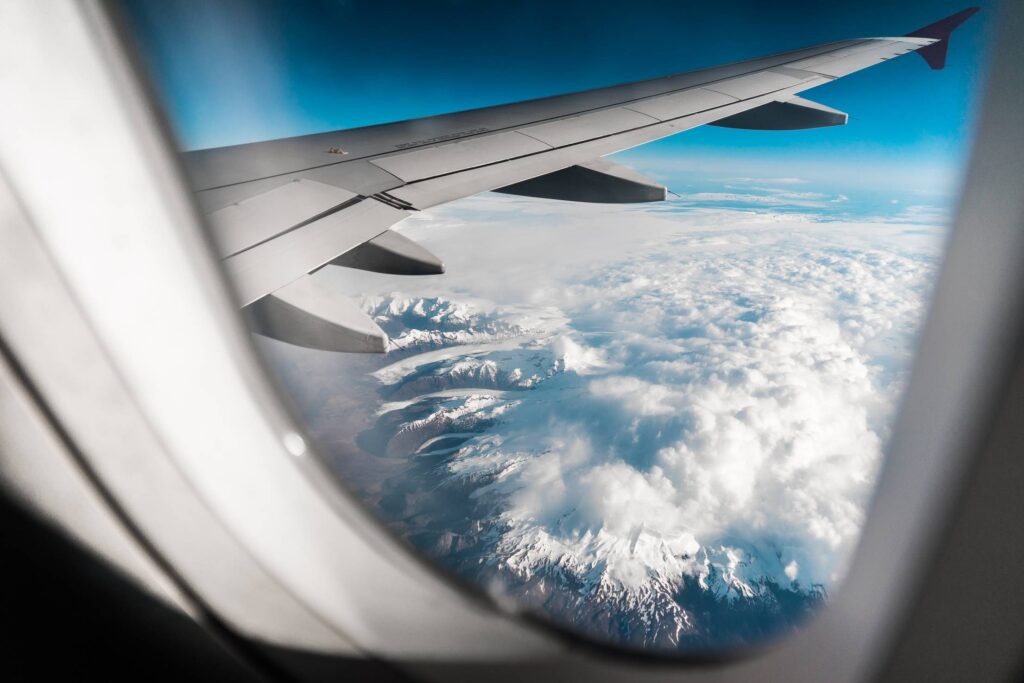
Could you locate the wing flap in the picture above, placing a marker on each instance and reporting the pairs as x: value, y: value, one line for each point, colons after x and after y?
x: 359, y: 177
x: 268, y: 266
x: 256, y: 219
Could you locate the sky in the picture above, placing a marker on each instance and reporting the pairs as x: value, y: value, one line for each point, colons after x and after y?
x: 234, y: 71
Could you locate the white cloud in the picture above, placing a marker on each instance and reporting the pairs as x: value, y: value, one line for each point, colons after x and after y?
x: 774, y: 197
x: 769, y: 181
x: 938, y: 174
x: 710, y: 388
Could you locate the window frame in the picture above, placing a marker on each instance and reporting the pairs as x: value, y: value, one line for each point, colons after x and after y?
x: 138, y: 350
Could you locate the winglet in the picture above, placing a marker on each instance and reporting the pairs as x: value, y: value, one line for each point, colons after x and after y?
x: 935, y: 54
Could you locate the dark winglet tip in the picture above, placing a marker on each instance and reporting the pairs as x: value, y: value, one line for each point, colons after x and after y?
x: 942, y: 28
x: 935, y: 54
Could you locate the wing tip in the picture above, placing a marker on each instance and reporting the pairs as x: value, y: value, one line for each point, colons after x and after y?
x: 935, y: 54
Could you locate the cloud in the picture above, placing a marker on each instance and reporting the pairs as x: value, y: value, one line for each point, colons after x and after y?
x: 686, y: 394
x: 939, y: 175
x: 925, y: 214
x: 634, y: 395
x: 763, y: 196
x: 772, y: 198
x: 768, y: 181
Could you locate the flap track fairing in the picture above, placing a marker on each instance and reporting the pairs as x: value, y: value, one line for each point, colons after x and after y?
x: 306, y: 313
x: 793, y: 114
x: 599, y: 181
x: 393, y: 254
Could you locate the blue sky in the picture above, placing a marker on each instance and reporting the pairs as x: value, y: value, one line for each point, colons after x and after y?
x: 234, y: 71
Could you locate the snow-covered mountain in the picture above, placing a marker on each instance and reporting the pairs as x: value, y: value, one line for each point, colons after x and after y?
x: 466, y: 395
x: 657, y: 427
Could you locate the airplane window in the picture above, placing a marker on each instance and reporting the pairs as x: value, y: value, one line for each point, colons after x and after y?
x: 627, y: 359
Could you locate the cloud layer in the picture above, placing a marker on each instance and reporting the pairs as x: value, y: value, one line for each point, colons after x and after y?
x: 640, y: 397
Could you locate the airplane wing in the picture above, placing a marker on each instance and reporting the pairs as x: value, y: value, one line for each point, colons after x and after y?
x: 281, y: 210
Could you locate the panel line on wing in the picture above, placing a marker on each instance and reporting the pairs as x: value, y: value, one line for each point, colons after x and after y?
x: 273, y: 264
x: 311, y: 219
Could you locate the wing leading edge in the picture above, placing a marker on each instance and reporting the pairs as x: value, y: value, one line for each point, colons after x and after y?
x: 283, y: 209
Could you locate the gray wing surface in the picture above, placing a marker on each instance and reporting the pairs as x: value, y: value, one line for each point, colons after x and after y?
x: 282, y: 209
